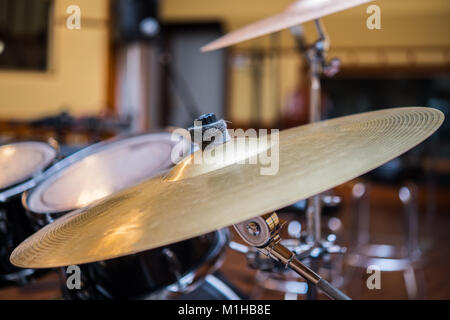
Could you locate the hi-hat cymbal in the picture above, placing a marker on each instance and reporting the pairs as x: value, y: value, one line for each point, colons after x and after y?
x: 195, y: 199
x: 299, y: 12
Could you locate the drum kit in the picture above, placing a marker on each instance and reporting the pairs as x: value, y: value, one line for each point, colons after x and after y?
x: 140, y: 226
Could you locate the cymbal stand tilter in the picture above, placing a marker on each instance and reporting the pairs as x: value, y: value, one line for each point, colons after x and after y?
x: 263, y: 233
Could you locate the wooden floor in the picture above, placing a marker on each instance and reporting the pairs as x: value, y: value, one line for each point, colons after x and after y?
x: 386, y: 213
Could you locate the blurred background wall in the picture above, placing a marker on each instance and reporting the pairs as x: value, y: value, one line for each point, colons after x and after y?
x: 414, y: 34
x: 76, y: 79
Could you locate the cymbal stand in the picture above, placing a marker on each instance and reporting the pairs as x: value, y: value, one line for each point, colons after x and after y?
x: 263, y: 234
x: 314, y: 55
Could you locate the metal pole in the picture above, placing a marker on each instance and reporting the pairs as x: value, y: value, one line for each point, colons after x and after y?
x: 314, y: 203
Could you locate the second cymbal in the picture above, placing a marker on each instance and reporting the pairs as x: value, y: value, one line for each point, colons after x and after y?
x: 299, y: 12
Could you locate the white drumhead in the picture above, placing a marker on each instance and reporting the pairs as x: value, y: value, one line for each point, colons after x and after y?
x: 22, y: 160
x: 115, y: 166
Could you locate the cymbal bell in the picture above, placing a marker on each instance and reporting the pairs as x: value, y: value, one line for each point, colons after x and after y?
x: 299, y: 12
x: 194, y: 199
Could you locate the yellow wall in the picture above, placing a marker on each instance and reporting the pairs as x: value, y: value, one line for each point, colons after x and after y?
x: 77, y: 79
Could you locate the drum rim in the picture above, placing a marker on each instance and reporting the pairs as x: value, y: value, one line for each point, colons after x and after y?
x: 57, y: 169
x: 33, y: 179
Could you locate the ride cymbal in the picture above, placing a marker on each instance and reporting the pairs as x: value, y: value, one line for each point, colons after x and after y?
x: 195, y: 199
x: 299, y: 12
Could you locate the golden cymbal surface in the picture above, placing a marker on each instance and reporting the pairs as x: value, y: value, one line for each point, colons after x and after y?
x: 195, y: 199
x: 299, y: 12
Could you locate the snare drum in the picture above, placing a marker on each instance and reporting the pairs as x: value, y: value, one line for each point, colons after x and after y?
x: 22, y: 165
x: 101, y: 170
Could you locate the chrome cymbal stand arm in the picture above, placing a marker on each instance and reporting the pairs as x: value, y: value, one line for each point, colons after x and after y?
x: 262, y: 233
x: 315, y: 57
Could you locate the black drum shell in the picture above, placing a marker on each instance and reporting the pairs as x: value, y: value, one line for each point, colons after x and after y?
x: 150, y: 274
x: 14, y: 228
